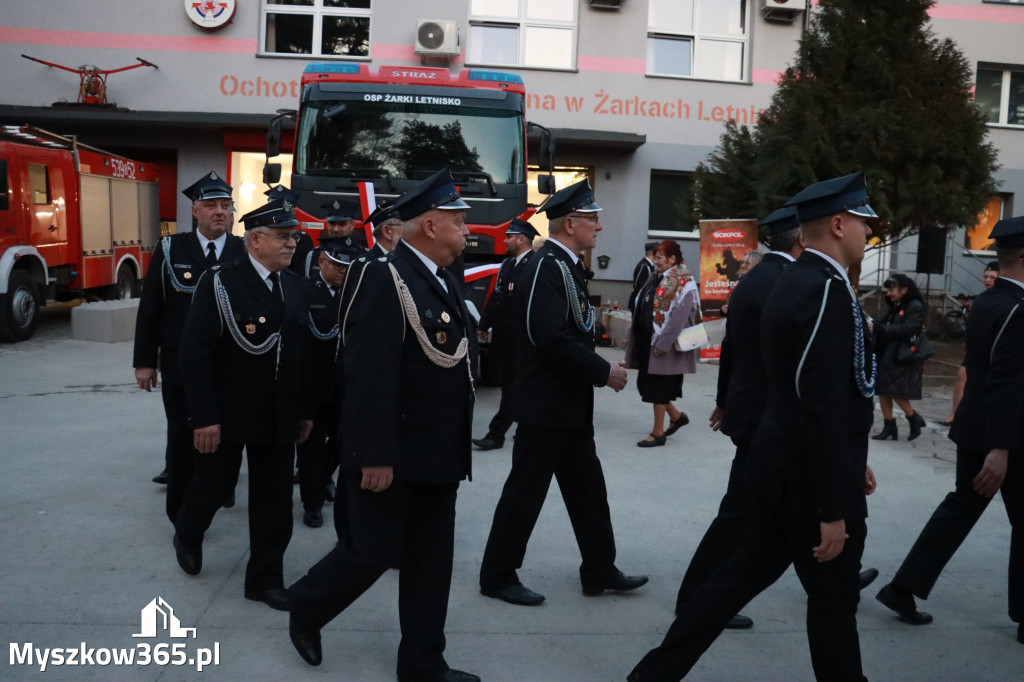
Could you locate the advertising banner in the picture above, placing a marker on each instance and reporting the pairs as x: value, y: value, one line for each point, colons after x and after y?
x: 723, y: 243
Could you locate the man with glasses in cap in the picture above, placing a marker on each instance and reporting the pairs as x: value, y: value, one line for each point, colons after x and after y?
x: 318, y: 456
x: 807, y: 468
x: 501, y: 316
x: 553, y: 403
x: 988, y: 429
x: 177, y: 263
x: 387, y: 229
x: 406, y: 417
x: 243, y: 353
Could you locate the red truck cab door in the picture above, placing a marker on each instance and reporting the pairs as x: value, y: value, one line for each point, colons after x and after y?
x: 46, y: 182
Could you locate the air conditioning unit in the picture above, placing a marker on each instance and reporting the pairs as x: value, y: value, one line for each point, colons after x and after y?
x: 437, y: 38
x: 782, y: 11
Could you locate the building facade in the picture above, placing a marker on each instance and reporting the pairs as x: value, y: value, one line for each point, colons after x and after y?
x: 636, y: 91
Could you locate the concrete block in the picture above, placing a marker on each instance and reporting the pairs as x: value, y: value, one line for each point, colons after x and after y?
x: 105, y: 321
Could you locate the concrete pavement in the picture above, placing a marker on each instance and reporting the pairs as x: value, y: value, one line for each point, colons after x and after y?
x: 85, y: 546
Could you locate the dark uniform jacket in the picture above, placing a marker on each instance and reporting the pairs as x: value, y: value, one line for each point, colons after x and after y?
x: 558, y: 367
x: 991, y: 414
x: 501, y: 315
x: 257, y: 399
x: 324, y: 326
x: 304, y: 259
x: 162, y: 308
x: 399, y: 408
x: 741, y: 373
x: 641, y: 273
x: 810, y: 452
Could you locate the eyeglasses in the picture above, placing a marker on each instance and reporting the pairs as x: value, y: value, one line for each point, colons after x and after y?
x: 585, y: 216
x: 281, y: 236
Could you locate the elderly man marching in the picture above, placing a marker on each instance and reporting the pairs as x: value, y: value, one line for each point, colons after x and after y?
x: 243, y: 353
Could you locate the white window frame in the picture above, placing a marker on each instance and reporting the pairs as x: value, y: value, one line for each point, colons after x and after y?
x: 318, y: 12
x: 521, y: 23
x: 697, y: 37
x: 1004, y: 92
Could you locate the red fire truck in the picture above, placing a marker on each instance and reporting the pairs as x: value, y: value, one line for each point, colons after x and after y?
x: 73, y: 220
x: 395, y: 126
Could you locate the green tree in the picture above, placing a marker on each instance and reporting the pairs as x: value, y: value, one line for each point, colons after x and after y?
x: 871, y: 89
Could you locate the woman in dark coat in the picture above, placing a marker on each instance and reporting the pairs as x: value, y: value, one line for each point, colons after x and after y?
x: 899, y: 382
x: 665, y: 305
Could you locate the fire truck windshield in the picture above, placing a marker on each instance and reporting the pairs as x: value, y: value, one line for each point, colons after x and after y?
x: 366, y: 140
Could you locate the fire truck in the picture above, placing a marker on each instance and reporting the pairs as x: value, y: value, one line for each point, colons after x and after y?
x: 394, y: 126
x: 74, y: 220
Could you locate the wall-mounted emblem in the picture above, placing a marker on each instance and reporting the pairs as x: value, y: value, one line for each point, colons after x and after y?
x: 210, y: 14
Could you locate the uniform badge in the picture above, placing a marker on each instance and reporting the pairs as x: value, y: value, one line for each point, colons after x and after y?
x: 441, y: 337
x: 250, y: 328
x: 262, y: 321
x: 382, y: 259
x: 446, y: 317
x: 187, y: 275
x: 428, y: 313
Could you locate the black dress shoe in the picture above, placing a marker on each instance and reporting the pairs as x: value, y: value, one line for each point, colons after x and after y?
x: 275, y: 597
x: 619, y: 582
x: 450, y: 675
x: 162, y: 477
x: 739, y: 622
x: 903, y: 604
x: 489, y: 442
x: 657, y: 440
x: 314, y: 518
x: 516, y: 593
x: 677, y: 424
x: 867, y: 576
x: 306, y: 642
x: 229, y: 501
x: 330, y: 492
x: 189, y: 558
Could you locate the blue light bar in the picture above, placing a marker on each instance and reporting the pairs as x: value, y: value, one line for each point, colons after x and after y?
x: 494, y: 76
x: 331, y: 67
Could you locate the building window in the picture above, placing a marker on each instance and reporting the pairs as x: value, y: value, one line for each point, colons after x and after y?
x: 1000, y: 93
x: 668, y: 203
x: 697, y: 39
x: 529, y: 33
x: 1004, y: 2
x: 316, y: 28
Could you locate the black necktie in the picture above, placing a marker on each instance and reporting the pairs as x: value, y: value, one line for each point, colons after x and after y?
x: 453, y: 294
x: 211, y: 254
x: 273, y: 277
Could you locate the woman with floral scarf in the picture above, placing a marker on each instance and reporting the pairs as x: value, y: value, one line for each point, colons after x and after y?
x: 665, y: 306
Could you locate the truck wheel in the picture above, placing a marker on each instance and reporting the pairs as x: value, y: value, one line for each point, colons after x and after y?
x: 126, y: 286
x: 19, y: 309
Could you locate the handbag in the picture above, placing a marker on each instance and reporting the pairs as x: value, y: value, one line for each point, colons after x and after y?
x: 693, y: 337
x: 916, y: 348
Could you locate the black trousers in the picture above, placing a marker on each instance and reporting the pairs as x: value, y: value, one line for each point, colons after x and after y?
x: 316, y: 457
x: 179, y: 445
x: 270, y: 505
x: 722, y: 537
x: 953, y: 520
x: 571, y: 457
x: 772, y: 540
x: 502, y: 420
x: 408, y: 525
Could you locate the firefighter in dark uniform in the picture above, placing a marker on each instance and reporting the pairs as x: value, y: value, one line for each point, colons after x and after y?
x: 177, y: 262
x: 807, y: 468
x: 643, y: 270
x: 387, y: 229
x: 553, y: 403
x: 501, y: 316
x: 303, y: 242
x: 317, y: 457
x: 406, y: 417
x: 243, y: 353
x: 987, y: 430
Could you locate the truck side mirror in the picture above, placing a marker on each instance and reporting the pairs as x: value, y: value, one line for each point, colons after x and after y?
x: 546, y: 152
x: 546, y: 184
x: 271, y: 173
x: 273, y: 138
